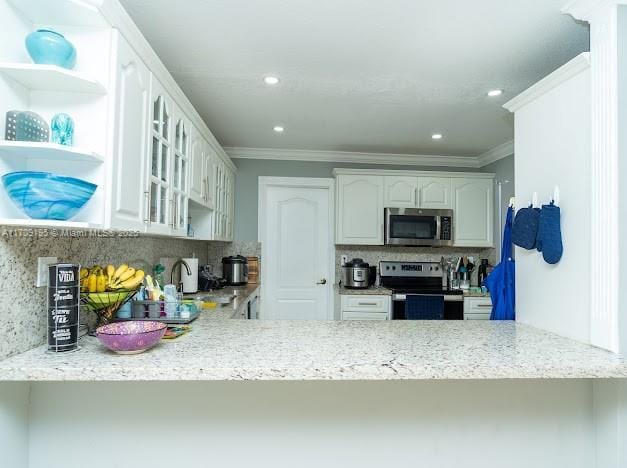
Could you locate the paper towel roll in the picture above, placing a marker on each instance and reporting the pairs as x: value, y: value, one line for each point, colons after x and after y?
x: 190, y: 282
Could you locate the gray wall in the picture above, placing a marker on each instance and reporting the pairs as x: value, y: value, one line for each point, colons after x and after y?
x: 249, y: 171
x: 504, y: 170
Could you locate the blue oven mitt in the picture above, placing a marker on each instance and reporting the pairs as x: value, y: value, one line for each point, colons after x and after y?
x: 525, y: 228
x: 549, y: 240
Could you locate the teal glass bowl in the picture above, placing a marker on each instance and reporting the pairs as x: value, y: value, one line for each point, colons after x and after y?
x: 48, y: 47
x: 42, y: 195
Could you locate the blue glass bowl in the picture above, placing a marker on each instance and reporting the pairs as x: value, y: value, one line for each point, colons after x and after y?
x: 46, y: 46
x: 42, y: 195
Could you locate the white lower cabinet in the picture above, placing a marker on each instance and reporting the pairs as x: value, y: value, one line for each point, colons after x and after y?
x: 365, y: 307
x: 477, y: 308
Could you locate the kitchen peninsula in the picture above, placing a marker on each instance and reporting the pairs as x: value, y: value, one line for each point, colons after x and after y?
x: 219, y: 350
x: 253, y: 382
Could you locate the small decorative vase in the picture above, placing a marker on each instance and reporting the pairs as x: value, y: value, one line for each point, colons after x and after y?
x: 62, y: 127
x: 48, y: 47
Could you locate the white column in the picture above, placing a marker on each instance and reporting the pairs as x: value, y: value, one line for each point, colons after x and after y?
x: 603, y: 16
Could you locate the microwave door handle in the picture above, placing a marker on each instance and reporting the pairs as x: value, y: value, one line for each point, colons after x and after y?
x: 438, y: 227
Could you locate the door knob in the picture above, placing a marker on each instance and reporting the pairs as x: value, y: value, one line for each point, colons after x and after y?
x: 322, y: 281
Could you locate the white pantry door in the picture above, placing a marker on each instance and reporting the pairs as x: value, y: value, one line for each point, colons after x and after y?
x: 296, y: 228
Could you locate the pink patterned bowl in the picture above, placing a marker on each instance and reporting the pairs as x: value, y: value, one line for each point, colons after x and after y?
x: 131, y: 337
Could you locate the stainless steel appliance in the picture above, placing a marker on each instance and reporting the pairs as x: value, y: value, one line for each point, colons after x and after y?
x: 359, y: 274
x: 235, y: 270
x: 420, y: 278
x: 415, y: 226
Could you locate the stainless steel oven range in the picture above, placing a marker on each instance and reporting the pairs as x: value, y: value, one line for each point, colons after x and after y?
x: 419, y: 278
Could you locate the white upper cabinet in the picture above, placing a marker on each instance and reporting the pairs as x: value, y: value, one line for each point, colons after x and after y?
x: 362, y: 195
x: 417, y: 192
x: 359, y: 216
x: 181, y: 160
x: 210, y: 160
x: 197, y: 187
x: 134, y: 138
x: 400, y: 191
x: 472, y: 212
x: 129, y: 204
x: 159, y: 186
x: 435, y: 193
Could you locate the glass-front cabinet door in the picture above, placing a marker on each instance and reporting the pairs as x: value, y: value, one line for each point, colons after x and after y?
x: 180, y: 172
x: 161, y: 208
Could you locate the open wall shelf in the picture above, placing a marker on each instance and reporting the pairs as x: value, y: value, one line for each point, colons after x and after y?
x: 61, y: 12
x: 47, y: 223
x: 51, y: 78
x: 22, y: 150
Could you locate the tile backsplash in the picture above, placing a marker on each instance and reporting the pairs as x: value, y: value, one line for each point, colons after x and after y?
x: 23, y: 306
x: 373, y: 254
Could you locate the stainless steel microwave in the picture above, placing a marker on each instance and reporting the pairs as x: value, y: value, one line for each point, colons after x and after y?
x: 415, y: 226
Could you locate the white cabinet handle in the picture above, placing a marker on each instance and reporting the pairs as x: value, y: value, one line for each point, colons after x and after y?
x: 367, y: 304
x: 172, y: 212
x: 147, y: 217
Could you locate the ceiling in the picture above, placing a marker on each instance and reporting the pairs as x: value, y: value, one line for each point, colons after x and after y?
x: 359, y: 75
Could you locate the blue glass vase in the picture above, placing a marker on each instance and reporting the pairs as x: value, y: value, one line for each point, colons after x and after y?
x: 62, y: 128
x: 48, y: 47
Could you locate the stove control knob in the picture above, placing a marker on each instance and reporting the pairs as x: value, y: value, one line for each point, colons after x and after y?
x: 393, y: 268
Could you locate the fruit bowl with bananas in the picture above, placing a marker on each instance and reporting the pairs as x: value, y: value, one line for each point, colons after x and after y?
x: 105, y: 290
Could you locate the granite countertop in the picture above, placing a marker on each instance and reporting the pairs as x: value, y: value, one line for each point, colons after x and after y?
x: 476, y: 294
x: 371, y: 291
x: 330, y: 350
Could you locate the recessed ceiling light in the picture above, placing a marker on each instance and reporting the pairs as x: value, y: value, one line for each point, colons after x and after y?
x: 271, y: 80
x: 495, y: 92
x: 278, y: 128
x: 436, y: 136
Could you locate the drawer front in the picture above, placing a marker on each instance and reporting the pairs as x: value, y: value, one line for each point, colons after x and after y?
x: 364, y: 316
x: 366, y: 303
x: 477, y: 316
x: 478, y: 305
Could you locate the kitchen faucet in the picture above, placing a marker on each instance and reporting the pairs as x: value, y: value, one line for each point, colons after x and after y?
x: 181, y: 262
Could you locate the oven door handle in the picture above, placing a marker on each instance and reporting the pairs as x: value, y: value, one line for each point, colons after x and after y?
x: 447, y: 297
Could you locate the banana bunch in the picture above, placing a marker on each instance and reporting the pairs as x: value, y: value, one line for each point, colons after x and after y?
x: 124, y: 277
x: 96, y: 279
x: 93, y: 279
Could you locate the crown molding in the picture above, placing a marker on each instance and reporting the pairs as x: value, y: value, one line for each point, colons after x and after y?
x: 353, y: 157
x: 499, y: 152
x: 570, y: 69
x: 584, y: 10
x: 394, y: 172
